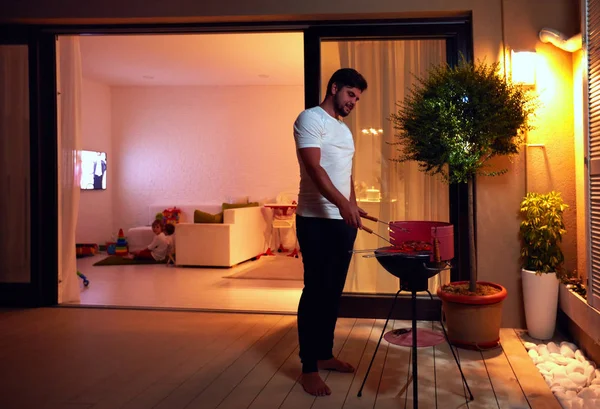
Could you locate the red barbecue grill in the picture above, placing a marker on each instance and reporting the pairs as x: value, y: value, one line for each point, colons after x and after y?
x: 419, y: 250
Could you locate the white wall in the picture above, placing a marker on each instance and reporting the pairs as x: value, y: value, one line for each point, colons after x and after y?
x: 190, y: 145
x: 94, y: 223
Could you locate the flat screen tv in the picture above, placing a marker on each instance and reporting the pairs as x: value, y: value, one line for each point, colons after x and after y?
x: 93, y: 170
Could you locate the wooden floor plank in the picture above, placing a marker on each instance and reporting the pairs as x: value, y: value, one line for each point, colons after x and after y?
x: 149, y: 384
x: 450, y: 390
x: 228, y: 380
x: 395, y: 379
x: 536, y: 391
x: 504, y: 381
x: 124, y: 385
x: 194, y: 385
x: 297, y: 398
x: 256, y: 380
x: 478, y: 380
x: 369, y: 392
x: 351, y: 352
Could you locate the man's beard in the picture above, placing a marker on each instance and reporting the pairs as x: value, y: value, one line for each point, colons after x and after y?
x: 339, y: 107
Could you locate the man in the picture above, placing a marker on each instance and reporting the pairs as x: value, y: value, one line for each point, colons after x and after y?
x: 327, y: 219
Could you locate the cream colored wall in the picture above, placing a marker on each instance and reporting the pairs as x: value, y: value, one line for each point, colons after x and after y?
x: 497, y: 198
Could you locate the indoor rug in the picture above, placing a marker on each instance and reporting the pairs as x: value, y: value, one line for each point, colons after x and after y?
x: 122, y: 261
x: 278, y: 267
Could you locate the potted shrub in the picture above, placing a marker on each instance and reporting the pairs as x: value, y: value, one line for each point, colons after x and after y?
x: 452, y: 122
x: 541, y: 233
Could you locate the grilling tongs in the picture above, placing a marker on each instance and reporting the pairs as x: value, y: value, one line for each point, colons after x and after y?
x: 375, y: 219
x: 370, y: 231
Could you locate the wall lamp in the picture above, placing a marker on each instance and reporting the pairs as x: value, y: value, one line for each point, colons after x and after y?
x: 523, y: 67
x: 558, y: 39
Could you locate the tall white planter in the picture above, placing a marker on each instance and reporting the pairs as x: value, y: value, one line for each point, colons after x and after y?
x: 540, y: 294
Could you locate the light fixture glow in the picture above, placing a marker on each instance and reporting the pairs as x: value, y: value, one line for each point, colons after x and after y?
x: 523, y: 67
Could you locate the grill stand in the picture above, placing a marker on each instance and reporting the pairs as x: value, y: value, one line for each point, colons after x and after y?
x: 414, y: 348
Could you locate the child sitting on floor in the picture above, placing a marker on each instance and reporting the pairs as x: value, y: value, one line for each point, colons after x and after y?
x: 157, y: 250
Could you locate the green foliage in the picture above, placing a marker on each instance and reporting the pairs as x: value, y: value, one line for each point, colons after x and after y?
x: 455, y: 119
x: 541, y: 232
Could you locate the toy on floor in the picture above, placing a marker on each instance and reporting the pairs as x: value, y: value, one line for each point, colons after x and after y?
x: 85, y: 249
x: 86, y: 282
x: 121, y: 247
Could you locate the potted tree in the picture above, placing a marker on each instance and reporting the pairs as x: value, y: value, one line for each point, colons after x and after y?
x: 453, y: 121
x: 541, y: 233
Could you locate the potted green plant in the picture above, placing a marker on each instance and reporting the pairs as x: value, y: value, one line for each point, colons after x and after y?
x: 452, y: 122
x: 541, y: 233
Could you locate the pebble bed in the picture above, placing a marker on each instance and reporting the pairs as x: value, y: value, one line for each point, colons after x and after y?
x: 573, y: 378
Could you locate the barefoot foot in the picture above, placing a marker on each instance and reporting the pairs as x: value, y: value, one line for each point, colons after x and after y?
x: 334, y: 364
x: 313, y: 384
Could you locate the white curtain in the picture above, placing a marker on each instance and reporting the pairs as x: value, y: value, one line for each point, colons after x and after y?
x: 69, y: 145
x: 14, y: 164
x: 406, y: 192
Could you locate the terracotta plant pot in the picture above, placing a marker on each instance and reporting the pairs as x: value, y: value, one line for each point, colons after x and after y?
x: 473, y: 322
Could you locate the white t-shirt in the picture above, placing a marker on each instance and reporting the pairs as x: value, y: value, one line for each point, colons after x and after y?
x: 315, y: 128
x: 159, y: 246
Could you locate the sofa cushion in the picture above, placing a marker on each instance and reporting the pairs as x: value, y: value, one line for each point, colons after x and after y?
x: 239, y: 205
x: 204, y: 217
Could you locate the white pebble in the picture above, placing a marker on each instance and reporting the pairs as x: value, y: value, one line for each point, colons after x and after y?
x: 576, y: 403
x: 575, y: 367
x: 590, y: 404
x: 566, y: 351
x: 533, y: 353
x: 568, y: 384
x: 579, y: 356
x: 529, y: 345
x: 559, y: 359
x: 542, y: 350
x: 553, y: 348
x: 596, y: 381
x: 559, y: 372
x: 586, y: 394
x: 570, y: 345
x: 579, y: 379
x: 589, y: 374
x: 556, y: 389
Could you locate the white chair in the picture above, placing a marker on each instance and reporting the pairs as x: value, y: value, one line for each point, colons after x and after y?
x: 285, y: 218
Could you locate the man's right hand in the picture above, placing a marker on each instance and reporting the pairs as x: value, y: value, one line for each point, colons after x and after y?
x: 351, y: 214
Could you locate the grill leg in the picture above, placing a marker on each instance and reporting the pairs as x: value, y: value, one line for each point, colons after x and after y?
x: 414, y: 351
x: 378, y: 342
x: 454, y: 354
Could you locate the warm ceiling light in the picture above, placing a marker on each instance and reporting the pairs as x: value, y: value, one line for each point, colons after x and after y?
x: 523, y: 67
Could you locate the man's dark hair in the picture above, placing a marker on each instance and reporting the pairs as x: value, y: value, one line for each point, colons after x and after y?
x: 347, y: 77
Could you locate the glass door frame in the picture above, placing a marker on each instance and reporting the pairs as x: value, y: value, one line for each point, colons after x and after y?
x: 43, y: 290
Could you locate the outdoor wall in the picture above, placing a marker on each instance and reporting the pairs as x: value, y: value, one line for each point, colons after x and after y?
x: 496, y: 25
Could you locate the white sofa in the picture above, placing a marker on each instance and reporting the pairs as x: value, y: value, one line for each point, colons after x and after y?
x: 242, y: 236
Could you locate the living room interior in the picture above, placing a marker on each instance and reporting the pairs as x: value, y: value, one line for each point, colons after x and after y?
x: 182, y: 122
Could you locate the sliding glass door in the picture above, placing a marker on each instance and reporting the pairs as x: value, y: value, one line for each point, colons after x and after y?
x: 389, y: 56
